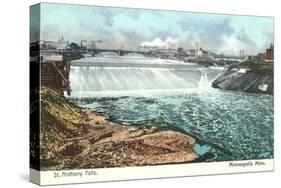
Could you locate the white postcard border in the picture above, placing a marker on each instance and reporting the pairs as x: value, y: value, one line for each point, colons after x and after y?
x: 148, y: 172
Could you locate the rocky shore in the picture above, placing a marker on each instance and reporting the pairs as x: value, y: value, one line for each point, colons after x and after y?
x: 75, y: 138
x: 250, y: 81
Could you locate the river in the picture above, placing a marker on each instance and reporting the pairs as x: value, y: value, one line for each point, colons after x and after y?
x: 135, y: 90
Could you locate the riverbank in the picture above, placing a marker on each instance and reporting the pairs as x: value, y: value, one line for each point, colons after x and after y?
x: 257, y: 79
x: 75, y: 138
x: 262, y: 68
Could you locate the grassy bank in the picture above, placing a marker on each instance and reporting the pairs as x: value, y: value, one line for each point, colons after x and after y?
x: 260, y: 68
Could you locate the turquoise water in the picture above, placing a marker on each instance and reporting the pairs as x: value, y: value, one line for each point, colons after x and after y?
x: 227, y: 125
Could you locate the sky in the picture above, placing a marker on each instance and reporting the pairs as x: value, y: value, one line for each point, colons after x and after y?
x: 130, y: 28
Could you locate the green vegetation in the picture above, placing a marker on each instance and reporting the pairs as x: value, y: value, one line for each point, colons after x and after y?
x: 260, y: 68
x: 59, y: 122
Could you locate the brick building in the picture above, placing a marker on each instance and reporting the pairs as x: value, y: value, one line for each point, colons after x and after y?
x: 269, y: 54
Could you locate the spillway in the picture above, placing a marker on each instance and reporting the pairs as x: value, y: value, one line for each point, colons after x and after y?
x: 88, y: 78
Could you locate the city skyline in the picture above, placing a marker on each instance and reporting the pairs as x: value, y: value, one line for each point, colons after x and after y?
x: 132, y: 28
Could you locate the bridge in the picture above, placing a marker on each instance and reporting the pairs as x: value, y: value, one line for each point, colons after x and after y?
x: 94, y: 52
x: 168, y: 65
x: 120, y: 52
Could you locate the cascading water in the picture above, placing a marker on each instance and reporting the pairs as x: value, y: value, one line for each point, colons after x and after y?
x: 229, y: 125
x: 203, y: 83
x: 89, y: 81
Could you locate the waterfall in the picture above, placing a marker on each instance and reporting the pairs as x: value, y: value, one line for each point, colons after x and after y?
x: 86, y: 81
x: 204, y: 83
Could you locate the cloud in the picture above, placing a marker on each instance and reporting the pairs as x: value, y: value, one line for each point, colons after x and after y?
x: 209, y: 32
x: 157, y: 42
x: 107, y: 16
x: 214, y: 32
x: 132, y: 38
x: 233, y: 44
x: 269, y: 35
x: 132, y: 27
x: 244, y: 38
x: 164, y: 33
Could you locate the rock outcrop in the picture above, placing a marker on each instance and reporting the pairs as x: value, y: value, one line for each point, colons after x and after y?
x: 76, y: 138
x: 251, y: 82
